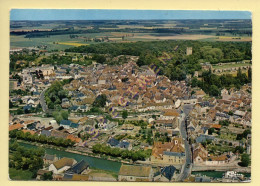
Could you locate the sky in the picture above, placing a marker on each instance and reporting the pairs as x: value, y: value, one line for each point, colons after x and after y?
x: 94, y: 14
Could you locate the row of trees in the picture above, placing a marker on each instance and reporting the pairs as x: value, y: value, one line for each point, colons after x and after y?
x: 125, y: 154
x: 40, y: 138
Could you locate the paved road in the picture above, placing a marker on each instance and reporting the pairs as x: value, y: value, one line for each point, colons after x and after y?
x: 186, y: 171
x: 42, y: 101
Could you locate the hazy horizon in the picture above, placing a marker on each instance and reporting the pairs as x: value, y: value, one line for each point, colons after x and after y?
x: 102, y: 14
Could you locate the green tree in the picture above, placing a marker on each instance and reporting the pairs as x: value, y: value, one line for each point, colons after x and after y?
x: 239, y: 149
x: 245, y: 160
x: 224, y: 122
x: 11, y: 105
x: 124, y: 114
x: 100, y: 101
x: 211, y: 130
x: 99, y: 58
x: 214, y: 91
x: 64, y: 114
x: 230, y: 113
x: 249, y: 72
x: 246, y: 132
x: 47, y: 176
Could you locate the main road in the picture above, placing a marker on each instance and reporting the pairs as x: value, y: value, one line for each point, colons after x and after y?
x: 42, y: 101
x: 186, y: 169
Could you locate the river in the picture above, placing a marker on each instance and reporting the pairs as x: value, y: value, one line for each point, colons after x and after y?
x: 92, y: 161
x: 113, y: 166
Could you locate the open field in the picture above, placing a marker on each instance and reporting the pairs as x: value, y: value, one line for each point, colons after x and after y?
x: 184, y: 37
x: 125, y: 31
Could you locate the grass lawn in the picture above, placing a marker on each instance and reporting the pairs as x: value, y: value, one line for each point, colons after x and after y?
x: 102, y: 172
x: 15, y: 174
x: 221, y: 148
x: 228, y: 136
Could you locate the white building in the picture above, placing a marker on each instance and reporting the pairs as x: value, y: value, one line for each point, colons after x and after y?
x: 62, y: 165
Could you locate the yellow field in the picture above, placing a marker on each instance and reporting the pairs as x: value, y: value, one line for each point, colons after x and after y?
x: 71, y: 44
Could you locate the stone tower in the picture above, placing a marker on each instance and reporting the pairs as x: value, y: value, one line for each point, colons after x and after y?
x: 189, y: 51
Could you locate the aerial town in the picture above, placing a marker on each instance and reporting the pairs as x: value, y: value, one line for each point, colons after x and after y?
x: 93, y: 116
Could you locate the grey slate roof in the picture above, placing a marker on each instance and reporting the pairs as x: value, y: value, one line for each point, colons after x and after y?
x: 78, y: 167
x: 173, y: 153
x: 168, y: 172
x: 203, y: 138
x: 46, y: 133
x: 113, y: 142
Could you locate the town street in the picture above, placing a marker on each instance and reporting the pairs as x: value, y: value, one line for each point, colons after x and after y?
x: 42, y: 101
x: 186, y: 170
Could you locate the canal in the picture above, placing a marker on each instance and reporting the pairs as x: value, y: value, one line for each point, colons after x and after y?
x: 92, y: 161
x: 112, y: 165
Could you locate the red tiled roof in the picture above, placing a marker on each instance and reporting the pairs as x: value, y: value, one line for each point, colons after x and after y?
x: 73, y: 138
x: 30, y: 131
x: 216, y: 126
x: 16, y: 126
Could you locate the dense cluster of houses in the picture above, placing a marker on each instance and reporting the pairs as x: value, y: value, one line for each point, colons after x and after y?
x: 153, y: 98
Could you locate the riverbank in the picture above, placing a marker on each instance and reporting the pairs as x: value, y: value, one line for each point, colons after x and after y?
x: 75, y: 151
x: 94, y: 162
